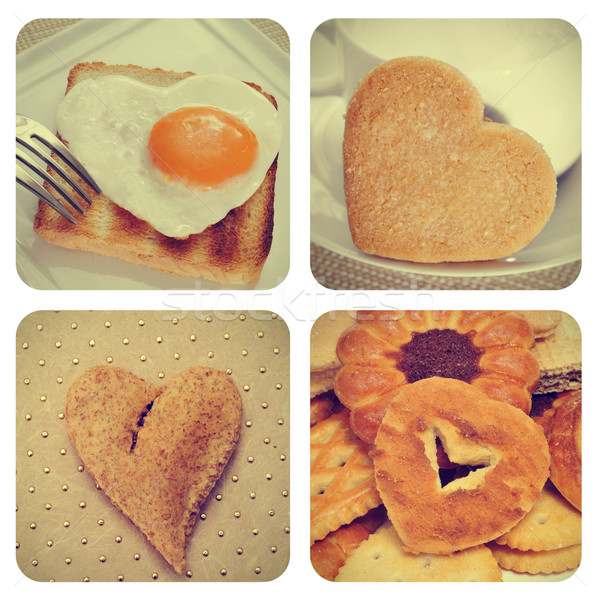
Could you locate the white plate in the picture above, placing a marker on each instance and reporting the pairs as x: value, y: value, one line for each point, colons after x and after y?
x: 559, y: 242
x: 231, y: 47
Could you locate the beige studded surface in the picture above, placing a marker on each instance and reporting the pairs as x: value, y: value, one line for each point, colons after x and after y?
x: 67, y: 529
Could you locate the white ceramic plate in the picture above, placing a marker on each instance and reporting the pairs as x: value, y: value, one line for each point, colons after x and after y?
x: 231, y: 47
x: 559, y: 242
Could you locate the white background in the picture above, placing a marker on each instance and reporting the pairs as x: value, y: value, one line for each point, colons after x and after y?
x: 299, y: 300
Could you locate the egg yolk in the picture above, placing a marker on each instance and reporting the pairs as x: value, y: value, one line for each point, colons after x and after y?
x: 202, y: 145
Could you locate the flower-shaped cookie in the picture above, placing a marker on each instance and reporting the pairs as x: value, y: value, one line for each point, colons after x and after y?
x: 388, y: 349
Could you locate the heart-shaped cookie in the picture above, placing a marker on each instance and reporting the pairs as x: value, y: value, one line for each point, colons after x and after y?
x: 156, y: 451
x: 428, y: 179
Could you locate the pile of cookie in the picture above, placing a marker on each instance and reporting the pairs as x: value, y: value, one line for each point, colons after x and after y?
x: 445, y: 445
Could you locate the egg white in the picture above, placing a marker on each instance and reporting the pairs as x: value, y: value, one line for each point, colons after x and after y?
x: 107, y: 123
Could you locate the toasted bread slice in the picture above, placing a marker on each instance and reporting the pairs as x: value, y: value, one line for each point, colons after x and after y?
x: 156, y: 451
x: 232, y: 251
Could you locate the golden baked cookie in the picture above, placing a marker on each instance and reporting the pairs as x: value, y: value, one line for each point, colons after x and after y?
x: 552, y: 523
x: 388, y: 349
x: 324, y: 362
x: 342, y: 482
x: 530, y: 561
x: 321, y: 407
x: 543, y: 322
x: 564, y: 441
x: 427, y: 179
x: 155, y: 451
x: 507, y: 446
x: 559, y: 357
x: 329, y: 554
x: 382, y: 558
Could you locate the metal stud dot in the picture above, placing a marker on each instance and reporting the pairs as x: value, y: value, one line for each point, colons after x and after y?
x: 223, y: 572
x: 257, y: 570
x: 136, y: 556
x: 154, y: 575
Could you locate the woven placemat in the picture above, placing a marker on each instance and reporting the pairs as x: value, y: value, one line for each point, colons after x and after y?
x: 338, y: 272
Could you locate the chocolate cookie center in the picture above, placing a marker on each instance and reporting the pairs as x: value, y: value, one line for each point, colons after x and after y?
x: 440, y: 353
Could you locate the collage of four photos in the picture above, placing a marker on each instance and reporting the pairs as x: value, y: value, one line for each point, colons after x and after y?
x: 172, y: 440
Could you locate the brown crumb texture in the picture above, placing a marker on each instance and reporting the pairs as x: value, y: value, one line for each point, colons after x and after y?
x: 156, y: 451
x: 427, y: 179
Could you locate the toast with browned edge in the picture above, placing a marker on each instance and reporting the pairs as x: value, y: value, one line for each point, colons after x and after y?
x: 232, y: 251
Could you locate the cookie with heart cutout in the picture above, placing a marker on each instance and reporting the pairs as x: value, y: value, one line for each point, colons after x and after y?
x: 155, y: 451
x: 429, y: 179
x: 505, y: 451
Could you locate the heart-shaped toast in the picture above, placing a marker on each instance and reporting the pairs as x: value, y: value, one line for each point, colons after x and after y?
x: 156, y: 451
x: 428, y: 179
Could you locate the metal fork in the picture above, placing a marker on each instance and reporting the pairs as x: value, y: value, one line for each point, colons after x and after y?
x: 41, y: 141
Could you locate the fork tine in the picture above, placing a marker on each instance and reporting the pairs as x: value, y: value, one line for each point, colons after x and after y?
x: 33, y: 186
x: 40, y: 153
x: 48, y: 179
x: 46, y: 137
